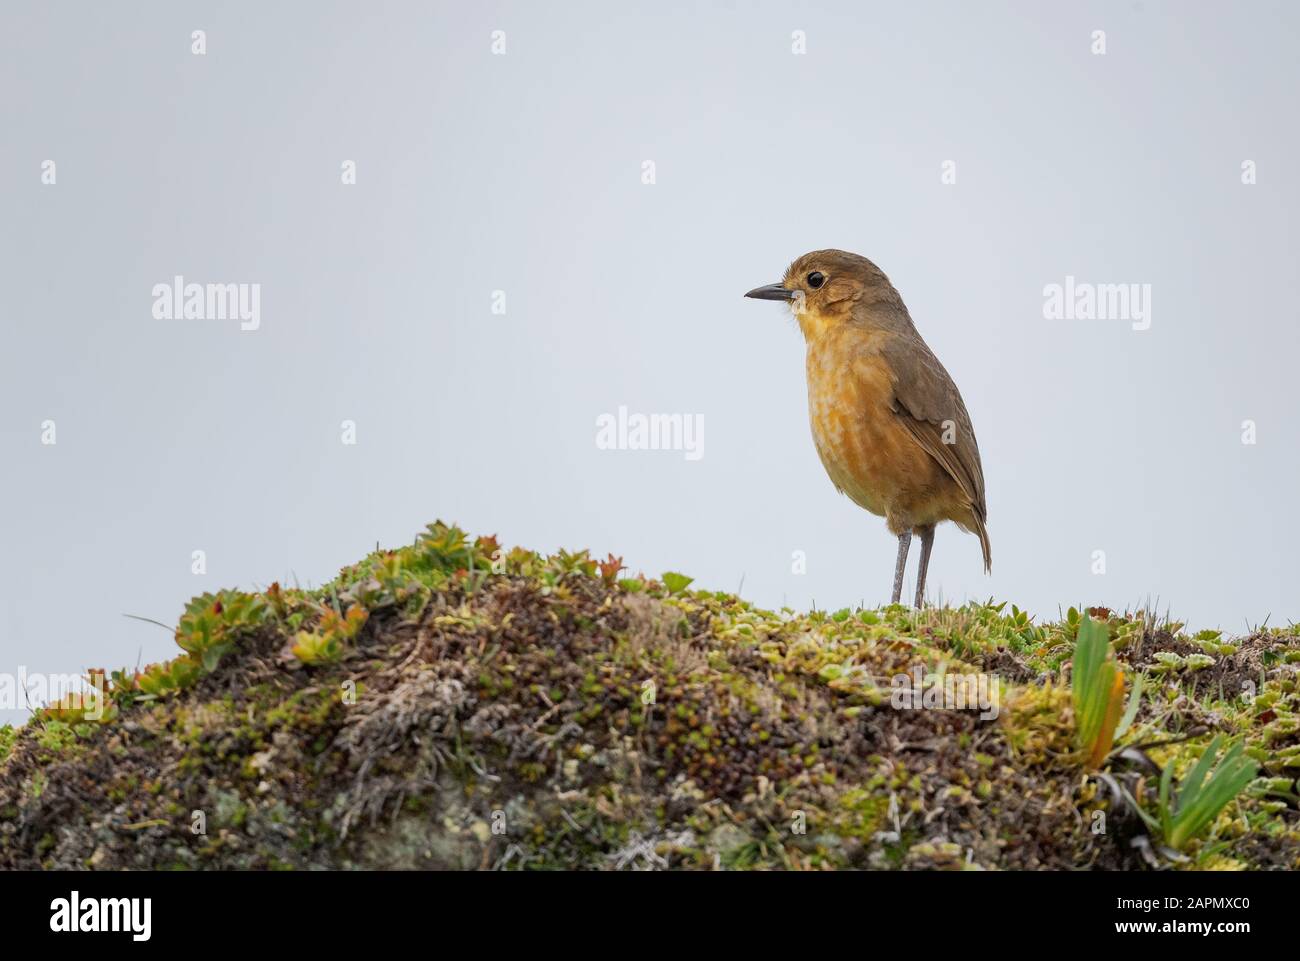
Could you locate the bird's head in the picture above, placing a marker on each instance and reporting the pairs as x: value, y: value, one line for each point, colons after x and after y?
x: 823, y: 287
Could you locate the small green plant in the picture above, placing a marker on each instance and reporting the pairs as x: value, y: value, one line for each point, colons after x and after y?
x: 446, y: 548
x: 314, y: 649
x: 161, y: 680
x: 387, y: 579
x: 1097, y: 688
x: 80, y: 707
x: 8, y: 735
x: 92, y: 704
x: 1201, y: 796
x: 327, y: 644
x: 53, y: 734
x: 577, y: 563
x: 674, y: 582
x: 211, y: 622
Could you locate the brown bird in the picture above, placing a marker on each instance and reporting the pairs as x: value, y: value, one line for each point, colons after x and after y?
x: 888, y: 422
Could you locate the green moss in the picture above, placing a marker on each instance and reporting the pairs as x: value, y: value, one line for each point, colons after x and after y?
x: 525, y: 711
x: 7, y: 737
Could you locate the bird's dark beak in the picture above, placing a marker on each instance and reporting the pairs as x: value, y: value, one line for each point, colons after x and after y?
x: 771, y: 292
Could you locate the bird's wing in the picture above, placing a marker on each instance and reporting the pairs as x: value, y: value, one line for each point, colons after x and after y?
x: 930, y: 406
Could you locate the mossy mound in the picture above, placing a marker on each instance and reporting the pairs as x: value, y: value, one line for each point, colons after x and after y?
x: 453, y: 705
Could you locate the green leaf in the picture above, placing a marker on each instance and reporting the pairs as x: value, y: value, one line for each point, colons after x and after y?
x: 1204, y: 793
x: 1130, y: 712
x: 1229, y: 778
x: 676, y: 583
x: 1192, y: 783
x: 1095, y: 686
x: 212, y: 656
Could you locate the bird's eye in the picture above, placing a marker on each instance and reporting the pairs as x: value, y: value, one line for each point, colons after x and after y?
x: 816, y: 279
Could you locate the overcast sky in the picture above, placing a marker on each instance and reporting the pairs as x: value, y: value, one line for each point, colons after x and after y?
x: 556, y: 210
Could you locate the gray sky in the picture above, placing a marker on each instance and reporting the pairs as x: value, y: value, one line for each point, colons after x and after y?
x: 524, y: 172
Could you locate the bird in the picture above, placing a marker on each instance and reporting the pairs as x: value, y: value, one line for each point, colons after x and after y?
x: 888, y: 422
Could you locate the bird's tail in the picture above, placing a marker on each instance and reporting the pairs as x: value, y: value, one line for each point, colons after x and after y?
x: 983, y: 533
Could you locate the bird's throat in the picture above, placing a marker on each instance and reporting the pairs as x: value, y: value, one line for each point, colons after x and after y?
x: 814, y: 323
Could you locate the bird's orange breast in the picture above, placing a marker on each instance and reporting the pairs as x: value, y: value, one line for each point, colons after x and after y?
x: 867, y: 452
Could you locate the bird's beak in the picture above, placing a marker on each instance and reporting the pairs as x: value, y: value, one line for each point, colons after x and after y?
x: 771, y: 292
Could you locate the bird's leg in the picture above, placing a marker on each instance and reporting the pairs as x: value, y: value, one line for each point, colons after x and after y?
x: 927, y: 541
x: 904, y: 541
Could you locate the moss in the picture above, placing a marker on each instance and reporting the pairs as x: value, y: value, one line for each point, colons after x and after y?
x: 465, y: 706
x: 7, y: 737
